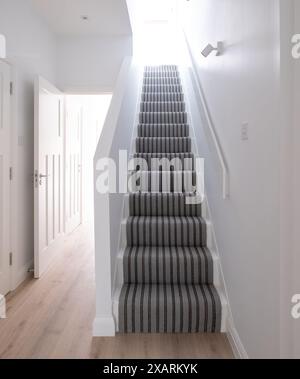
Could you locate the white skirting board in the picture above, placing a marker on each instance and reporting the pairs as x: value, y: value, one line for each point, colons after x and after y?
x: 104, y: 327
x: 234, y: 339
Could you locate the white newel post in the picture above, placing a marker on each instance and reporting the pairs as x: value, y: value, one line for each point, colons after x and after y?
x: 106, y: 224
x: 104, y: 324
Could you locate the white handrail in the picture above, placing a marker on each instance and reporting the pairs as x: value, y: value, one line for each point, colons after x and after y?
x: 216, y: 142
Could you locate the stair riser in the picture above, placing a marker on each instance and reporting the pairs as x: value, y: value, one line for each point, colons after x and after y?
x: 173, y: 309
x: 163, y: 118
x: 163, y: 131
x: 160, y: 75
x: 162, y: 266
x: 162, y: 97
x: 172, y: 70
x: 166, y: 162
x: 161, y: 69
x: 162, y: 107
x: 157, y: 205
x: 163, y: 145
x: 149, y: 181
x: 162, y: 89
x: 143, y: 231
x: 161, y: 81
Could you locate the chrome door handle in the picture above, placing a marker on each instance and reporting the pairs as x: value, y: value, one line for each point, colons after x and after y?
x: 42, y: 177
x: 38, y: 178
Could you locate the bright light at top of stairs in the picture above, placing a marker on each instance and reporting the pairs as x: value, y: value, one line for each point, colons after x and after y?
x: 157, y: 36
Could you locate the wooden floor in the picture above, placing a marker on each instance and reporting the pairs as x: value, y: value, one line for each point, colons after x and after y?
x: 52, y: 318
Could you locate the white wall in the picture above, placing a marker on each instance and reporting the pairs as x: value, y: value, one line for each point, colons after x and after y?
x: 295, y: 206
x: 243, y: 86
x: 31, y: 48
x: 76, y: 64
x: 286, y: 180
x: 91, y: 64
x: 290, y: 178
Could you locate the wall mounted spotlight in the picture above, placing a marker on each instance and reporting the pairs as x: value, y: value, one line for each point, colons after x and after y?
x: 209, y: 49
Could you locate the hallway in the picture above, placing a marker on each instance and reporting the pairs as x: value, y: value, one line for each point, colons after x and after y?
x: 52, y: 318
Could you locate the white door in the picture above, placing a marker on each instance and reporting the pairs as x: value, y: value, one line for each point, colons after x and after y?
x: 73, y: 159
x: 49, y: 174
x: 5, y: 145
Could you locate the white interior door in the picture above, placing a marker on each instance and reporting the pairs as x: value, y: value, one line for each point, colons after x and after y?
x: 73, y: 159
x: 5, y: 145
x: 49, y: 174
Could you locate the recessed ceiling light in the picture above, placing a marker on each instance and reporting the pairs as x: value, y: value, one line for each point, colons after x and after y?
x: 84, y: 18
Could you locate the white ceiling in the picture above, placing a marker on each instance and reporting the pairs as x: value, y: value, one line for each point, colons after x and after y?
x: 150, y: 11
x: 106, y: 17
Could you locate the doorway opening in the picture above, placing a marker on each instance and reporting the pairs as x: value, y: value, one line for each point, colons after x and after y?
x: 85, y: 116
x: 67, y: 130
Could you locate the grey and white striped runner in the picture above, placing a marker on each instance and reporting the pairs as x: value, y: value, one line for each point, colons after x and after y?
x: 168, y: 270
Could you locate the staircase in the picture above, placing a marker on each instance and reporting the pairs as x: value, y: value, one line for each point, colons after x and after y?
x: 168, y: 270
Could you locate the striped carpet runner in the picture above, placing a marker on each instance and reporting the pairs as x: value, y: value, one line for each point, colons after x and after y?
x: 168, y: 270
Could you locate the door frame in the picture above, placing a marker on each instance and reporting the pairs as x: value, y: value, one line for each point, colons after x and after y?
x: 80, y: 114
x: 12, y: 181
